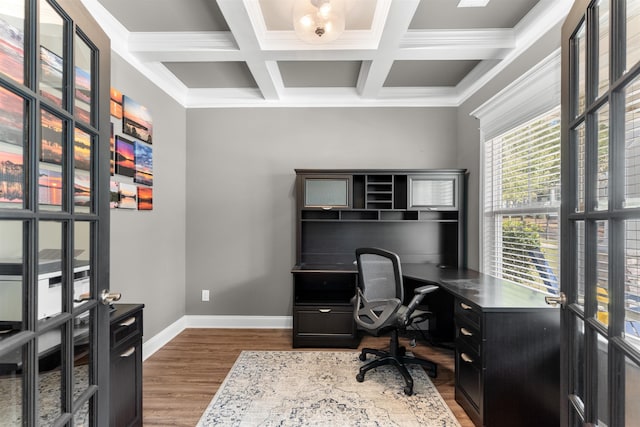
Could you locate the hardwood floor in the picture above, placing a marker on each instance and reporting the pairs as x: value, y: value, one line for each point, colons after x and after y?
x: 181, y: 378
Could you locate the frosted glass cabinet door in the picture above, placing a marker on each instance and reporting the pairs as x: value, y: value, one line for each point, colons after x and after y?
x: 433, y: 192
x: 327, y: 191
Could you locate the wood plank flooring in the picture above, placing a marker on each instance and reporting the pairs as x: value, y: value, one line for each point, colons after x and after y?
x: 180, y: 379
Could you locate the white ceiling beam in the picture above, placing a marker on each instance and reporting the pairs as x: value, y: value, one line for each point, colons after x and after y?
x: 373, y: 74
x: 184, y: 46
x: 265, y: 73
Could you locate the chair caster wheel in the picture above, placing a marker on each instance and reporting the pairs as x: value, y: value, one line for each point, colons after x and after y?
x: 360, y: 377
x: 408, y: 390
x: 362, y: 357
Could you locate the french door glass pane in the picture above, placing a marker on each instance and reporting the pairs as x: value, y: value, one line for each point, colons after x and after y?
x: 50, y: 280
x: 51, y: 54
x: 50, y: 377
x: 633, y: 33
x: 577, y: 388
x: 632, y: 145
x: 11, y: 388
x: 12, y: 39
x: 12, y: 152
x: 81, y: 418
x: 82, y: 152
x: 632, y: 283
x: 83, y: 71
x: 602, y: 11
x: 580, y: 54
x: 602, y: 361
x: 631, y: 393
x: 579, y: 152
x: 81, y: 331
x: 11, y: 279
x: 602, y: 272
x: 82, y: 253
x: 50, y: 176
x: 602, y: 185
x: 580, y: 264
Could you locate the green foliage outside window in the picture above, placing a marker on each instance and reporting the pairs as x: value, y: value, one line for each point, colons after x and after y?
x: 519, y: 239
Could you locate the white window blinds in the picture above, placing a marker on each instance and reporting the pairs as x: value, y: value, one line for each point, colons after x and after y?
x: 522, y: 203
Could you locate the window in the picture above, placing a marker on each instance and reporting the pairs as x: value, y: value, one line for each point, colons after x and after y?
x: 520, y: 129
x: 522, y: 203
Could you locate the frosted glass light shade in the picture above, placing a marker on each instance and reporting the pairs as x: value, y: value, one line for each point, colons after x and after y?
x: 318, y: 21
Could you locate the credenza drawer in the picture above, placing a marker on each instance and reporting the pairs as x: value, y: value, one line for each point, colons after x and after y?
x: 126, y: 328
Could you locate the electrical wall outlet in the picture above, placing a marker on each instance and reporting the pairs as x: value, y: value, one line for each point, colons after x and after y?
x: 205, y: 295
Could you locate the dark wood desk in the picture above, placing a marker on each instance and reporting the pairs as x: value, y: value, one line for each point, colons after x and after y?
x: 507, y: 347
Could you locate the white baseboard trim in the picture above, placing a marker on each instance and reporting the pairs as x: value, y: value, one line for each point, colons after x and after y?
x: 156, y: 342
x: 237, y: 322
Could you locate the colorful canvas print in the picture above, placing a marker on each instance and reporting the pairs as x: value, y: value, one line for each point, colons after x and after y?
x: 51, y: 141
x: 82, y: 150
x: 82, y: 189
x: 145, y: 198
x: 136, y: 120
x: 11, y: 117
x: 112, y: 149
x: 49, y: 187
x: 127, y: 196
x: 144, y: 163
x: 125, y: 163
x: 11, y: 177
x: 114, y: 194
x: 116, y: 103
x: 12, y: 46
x: 51, y: 76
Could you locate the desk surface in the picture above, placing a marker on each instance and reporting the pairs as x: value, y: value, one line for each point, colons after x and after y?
x: 486, y: 292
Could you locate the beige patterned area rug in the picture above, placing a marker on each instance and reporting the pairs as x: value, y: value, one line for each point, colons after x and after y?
x: 319, y: 388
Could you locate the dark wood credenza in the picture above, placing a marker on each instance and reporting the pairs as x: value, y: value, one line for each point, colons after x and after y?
x: 126, y: 365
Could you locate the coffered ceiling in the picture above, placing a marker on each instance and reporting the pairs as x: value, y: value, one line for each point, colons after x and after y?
x: 244, y: 53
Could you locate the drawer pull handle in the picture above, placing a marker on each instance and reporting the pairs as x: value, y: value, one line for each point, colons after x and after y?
x: 465, y: 357
x: 324, y: 310
x: 130, y: 321
x: 465, y: 306
x: 128, y: 352
x: 466, y: 332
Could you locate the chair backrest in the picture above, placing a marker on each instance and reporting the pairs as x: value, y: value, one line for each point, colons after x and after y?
x: 380, y: 276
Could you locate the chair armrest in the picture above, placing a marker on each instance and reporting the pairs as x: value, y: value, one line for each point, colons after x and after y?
x: 418, y: 297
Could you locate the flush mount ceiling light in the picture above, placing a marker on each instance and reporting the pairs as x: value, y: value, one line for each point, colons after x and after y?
x: 318, y: 21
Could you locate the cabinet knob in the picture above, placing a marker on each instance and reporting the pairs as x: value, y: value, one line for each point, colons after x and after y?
x: 466, y: 332
x: 465, y: 357
x: 465, y: 306
x: 128, y: 352
x: 324, y: 310
x: 130, y: 321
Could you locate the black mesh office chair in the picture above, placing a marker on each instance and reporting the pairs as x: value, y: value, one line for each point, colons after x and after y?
x: 378, y: 309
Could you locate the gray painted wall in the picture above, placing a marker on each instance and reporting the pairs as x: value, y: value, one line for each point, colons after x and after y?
x: 148, y: 247
x: 240, y: 188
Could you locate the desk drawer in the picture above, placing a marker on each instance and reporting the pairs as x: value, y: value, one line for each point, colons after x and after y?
x: 468, y: 335
x: 469, y: 381
x: 467, y: 313
x: 324, y: 320
x: 126, y: 328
